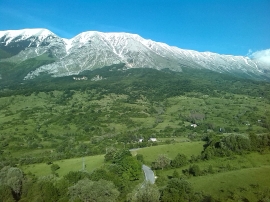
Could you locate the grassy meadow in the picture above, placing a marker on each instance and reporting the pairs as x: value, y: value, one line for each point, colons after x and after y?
x: 188, y: 148
x: 67, y: 165
x: 249, y: 183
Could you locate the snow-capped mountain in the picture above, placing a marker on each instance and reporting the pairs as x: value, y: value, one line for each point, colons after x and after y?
x: 29, y: 43
x: 91, y: 50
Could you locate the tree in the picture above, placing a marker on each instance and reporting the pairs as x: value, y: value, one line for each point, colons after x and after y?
x: 109, y: 154
x: 235, y: 143
x: 179, y: 160
x: 131, y: 167
x: 140, y: 158
x: 175, y: 174
x: 98, y: 174
x: 62, y: 188
x: 177, y: 190
x: 194, y: 170
x: 145, y: 192
x: 54, y: 167
x: 161, y: 162
x: 99, y: 191
x: 74, y: 176
x: 104, y: 174
x: 43, y: 190
x: 12, y: 177
x: 120, y: 155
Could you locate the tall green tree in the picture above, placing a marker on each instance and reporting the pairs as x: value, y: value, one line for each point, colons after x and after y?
x: 98, y: 191
x: 145, y: 192
x: 74, y: 176
x: 194, y: 170
x: 178, y: 190
x: 43, y: 190
x: 175, y: 174
x: 110, y: 152
x: 161, y: 162
x: 179, y: 161
x: 120, y: 155
x: 54, y: 168
x: 13, y: 177
x: 132, y: 168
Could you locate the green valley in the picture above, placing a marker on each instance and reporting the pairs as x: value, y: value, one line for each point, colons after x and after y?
x: 211, y: 134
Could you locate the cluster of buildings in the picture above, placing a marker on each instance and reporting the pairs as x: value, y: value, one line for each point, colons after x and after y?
x: 150, y: 140
x: 80, y: 78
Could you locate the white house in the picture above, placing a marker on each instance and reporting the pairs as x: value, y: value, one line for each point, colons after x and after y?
x: 78, y: 78
x: 193, y: 125
x: 153, y: 139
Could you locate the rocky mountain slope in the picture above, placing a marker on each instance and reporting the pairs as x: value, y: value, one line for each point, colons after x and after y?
x: 91, y: 50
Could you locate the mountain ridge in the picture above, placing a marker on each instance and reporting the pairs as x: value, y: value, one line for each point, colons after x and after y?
x: 93, y: 49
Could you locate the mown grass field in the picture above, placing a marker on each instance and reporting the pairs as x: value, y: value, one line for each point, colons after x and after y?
x: 237, y: 177
x: 93, y: 162
x: 236, y: 162
x: 249, y: 175
x: 150, y: 154
x: 67, y: 165
x: 246, y: 183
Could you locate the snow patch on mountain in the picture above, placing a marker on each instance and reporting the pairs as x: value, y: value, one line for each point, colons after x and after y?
x: 17, y: 35
x: 68, y: 44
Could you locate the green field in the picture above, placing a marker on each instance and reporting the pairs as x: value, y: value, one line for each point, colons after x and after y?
x: 248, y: 176
x: 248, y: 183
x: 171, y: 150
x: 75, y: 164
x: 92, y: 162
x: 235, y: 177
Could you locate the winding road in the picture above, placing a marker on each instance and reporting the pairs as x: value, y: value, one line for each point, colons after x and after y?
x: 149, y: 174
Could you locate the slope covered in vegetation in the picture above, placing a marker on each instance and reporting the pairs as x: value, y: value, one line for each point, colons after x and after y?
x: 108, y: 110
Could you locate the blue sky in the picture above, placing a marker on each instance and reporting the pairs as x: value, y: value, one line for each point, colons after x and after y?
x: 235, y: 27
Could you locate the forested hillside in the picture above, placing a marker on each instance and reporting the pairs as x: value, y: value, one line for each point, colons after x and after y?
x: 111, y: 110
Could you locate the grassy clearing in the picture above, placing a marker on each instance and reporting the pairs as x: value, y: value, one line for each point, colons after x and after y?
x: 187, y: 148
x: 75, y: 164
x: 241, y: 176
x: 236, y: 162
x: 243, y: 183
x: 145, y: 122
x: 167, y: 123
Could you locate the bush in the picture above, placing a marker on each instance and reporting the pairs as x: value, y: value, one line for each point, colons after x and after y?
x: 194, y: 170
x: 178, y: 190
x: 54, y: 167
x: 179, y: 161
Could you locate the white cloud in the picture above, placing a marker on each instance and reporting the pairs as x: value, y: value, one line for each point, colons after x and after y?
x: 262, y: 56
x: 249, y: 52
